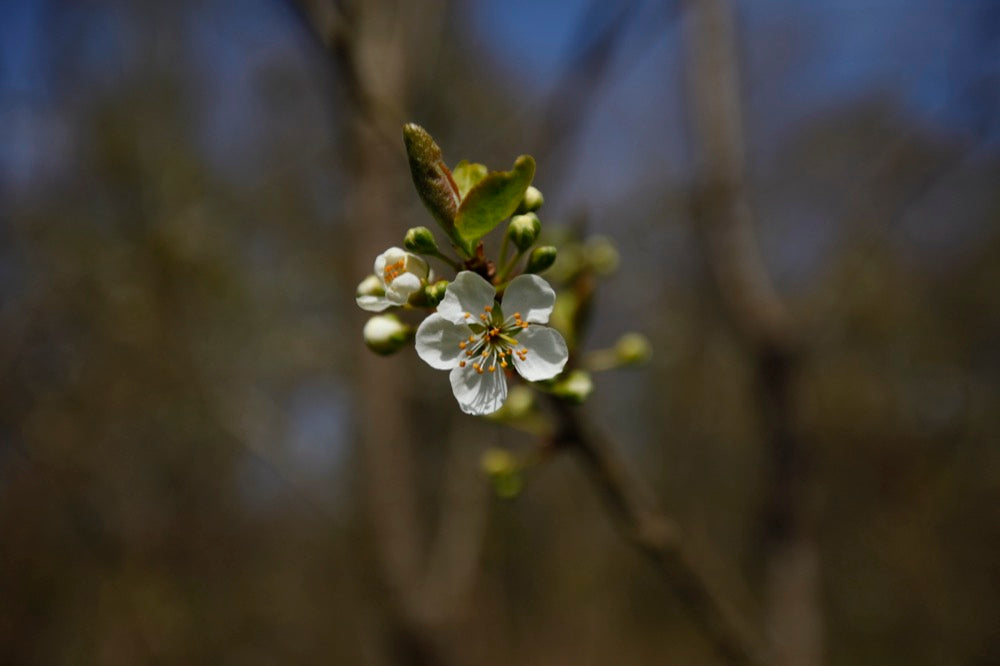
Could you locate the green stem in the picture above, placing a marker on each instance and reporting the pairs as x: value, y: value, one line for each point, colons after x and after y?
x: 504, y: 247
x: 446, y: 259
x: 502, y: 277
x: 601, y: 359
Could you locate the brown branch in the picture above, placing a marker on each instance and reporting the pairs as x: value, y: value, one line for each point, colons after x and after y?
x: 723, y: 214
x: 658, y: 537
x: 426, y: 579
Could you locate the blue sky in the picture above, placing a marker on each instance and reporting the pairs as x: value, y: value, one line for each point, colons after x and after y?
x: 938, y: 60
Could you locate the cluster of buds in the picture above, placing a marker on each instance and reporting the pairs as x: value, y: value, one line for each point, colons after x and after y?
x: 488, y: 323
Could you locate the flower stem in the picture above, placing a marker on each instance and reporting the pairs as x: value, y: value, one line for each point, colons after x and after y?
x: 504, y: 247
x: 502, y: 277
x: 601, y: 359
x: 446, y: 259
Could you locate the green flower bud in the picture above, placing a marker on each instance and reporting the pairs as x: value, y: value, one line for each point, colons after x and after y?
x: 602, y: 255
x: 420, y: 240
x: 504, y: 471
x: 370, y: 286
x: 435, y: 292
x: 633, y: 349
x: 523, y: 230
x: 532, y: 200
x: 541, y: 258
x: 497, y: 461
x: 576, y: 387
x: 385, y: 334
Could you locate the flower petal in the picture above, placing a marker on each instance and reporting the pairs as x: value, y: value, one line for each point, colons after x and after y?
x: 478, y: 393
x: 437, y: 342
x: 390, y: 256
x: 416, y: 265
x: 400, y: 289
x: 373, y: 303
x: 547, y: 353
x: 531, y: 296
x: 467, y: 293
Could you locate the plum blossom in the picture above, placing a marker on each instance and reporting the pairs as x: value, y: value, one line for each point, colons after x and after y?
x: 398, y: 274
x: 478, y: 339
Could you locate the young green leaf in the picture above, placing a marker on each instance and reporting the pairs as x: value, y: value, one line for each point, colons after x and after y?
x: 493, y: 199
x: 466, y: 175
x: 433, y: 180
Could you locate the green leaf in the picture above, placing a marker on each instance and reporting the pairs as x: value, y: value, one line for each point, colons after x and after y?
x: 467, y: 174
x: 431, y: 177
x: 493, y: 199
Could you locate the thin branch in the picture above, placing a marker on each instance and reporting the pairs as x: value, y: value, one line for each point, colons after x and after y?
x: 658, y: 537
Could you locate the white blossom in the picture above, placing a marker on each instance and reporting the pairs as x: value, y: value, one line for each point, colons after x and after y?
x: 478, y: 339
x: 399, y: 274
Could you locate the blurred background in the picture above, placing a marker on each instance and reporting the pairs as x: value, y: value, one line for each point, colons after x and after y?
x: 201, y: 463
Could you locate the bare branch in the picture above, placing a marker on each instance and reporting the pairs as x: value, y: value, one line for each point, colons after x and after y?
x: 658, y: 537
x: 721, y: 208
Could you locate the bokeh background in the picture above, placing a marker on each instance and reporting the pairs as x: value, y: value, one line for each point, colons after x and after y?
x: 201, y: 463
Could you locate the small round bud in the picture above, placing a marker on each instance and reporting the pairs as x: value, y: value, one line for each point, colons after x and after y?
x: 385, y: 334
x: 576, y: 387
x: 523, y: 230
x: 504, y: 471
x: 370, y: 286
x: 497, y: 461
x: 541, y: 258
x: 420, y: 240
x: 520, y: 405
x: 602, y: 255
x: 633, y: 349
x: 532, y: 200
x: 435, y: 292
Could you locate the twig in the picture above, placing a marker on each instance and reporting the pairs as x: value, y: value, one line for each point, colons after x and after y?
x: 658, y: 537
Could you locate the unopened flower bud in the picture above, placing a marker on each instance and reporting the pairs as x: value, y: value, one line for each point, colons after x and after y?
x: 370, y: 286
x: 504, y: 471
x: 633, y: 349
x: 541, y: 258
x: 576, y: 387
x: 520, y: 404
x: 523, y: 230
x: 385, y: 334
x: 532, y: 200
x: 435, y: 292
x: 420, y: 240
x: 497, y: 461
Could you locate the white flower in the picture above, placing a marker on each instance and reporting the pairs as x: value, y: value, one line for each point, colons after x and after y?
x: 399, y: 273
x: 471, y: 335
